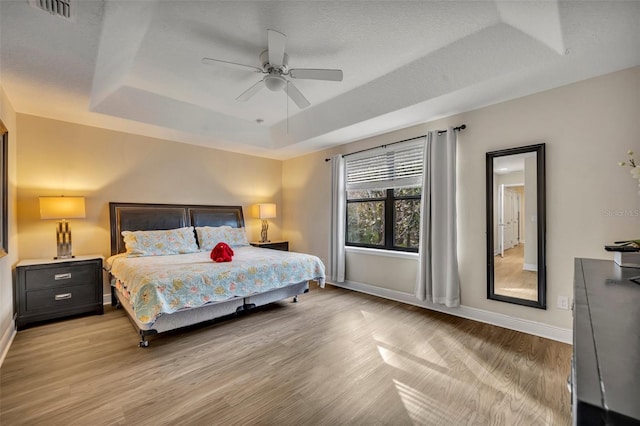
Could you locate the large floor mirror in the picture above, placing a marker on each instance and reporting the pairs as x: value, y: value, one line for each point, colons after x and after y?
x: 516, y: 266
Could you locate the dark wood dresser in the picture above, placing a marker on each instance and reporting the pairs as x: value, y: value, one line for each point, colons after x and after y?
x: 605, y: 372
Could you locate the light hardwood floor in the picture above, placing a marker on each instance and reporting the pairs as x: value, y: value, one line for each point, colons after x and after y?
x: 509, y: 277
x: 336, y: 357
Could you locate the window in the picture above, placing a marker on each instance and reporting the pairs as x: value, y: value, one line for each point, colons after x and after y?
x: 383, y: 198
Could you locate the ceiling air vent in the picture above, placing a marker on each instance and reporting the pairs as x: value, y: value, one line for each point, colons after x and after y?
x: 61, y: 8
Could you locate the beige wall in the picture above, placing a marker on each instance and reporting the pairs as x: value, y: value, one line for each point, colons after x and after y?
x: 393, y: 273
x: 59, y: 158
x: 591, y: 201
x: 8, y: 116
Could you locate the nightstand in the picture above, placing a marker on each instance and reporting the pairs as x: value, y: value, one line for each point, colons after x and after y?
x: 46, y: 289
x: 275, y: 245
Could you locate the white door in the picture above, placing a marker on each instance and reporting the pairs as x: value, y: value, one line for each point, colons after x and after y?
x: 517, y: 237
x: 508, y: 219
x: 509, y: 202
x: 501, y: 223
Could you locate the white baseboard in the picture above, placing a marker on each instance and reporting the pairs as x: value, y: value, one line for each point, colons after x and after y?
x: 106, y: 299
x: 6, y: 340
x: 530, y: 267
x: 512, y: 323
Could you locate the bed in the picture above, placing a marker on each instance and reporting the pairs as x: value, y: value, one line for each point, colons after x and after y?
x: 164, y: 282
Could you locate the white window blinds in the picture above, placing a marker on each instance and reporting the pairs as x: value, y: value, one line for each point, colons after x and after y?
x: 396, y: 166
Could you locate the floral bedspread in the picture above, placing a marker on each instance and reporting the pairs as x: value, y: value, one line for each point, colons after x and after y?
x: 165, y: 284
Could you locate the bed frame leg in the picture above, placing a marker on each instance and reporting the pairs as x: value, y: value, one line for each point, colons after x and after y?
x: 144, y: 343
x: 295, y: 298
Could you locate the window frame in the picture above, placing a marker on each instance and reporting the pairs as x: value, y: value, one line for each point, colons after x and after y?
x: 389, y: 220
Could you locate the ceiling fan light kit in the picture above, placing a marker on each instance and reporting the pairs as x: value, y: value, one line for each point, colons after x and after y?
x: 275, y: 63
x: 274, y: 82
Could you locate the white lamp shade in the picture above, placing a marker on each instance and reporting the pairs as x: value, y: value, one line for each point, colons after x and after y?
x: 62, y: 208
x: 264, y: 211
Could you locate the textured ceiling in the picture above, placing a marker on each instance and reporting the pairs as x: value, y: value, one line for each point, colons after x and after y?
x: 135, y: 66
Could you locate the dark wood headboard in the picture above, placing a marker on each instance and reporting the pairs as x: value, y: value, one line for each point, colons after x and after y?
x: 149, y: 217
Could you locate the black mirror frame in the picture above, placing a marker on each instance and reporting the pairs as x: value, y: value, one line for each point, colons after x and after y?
x: 4, y: 182
x: 539, y: 149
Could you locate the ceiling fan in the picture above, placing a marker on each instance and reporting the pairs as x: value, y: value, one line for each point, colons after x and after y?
x: 275, y: 66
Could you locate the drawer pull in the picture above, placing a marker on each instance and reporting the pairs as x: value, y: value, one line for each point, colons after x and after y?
x: 63, y: 296
x: 62, y: 276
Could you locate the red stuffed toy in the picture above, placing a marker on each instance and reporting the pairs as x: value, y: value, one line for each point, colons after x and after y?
x: 221, y: 253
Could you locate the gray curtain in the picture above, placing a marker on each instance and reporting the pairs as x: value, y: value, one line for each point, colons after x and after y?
x: 338, y: 214
x: 438, y: 280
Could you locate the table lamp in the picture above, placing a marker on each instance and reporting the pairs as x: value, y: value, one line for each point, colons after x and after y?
x: 62, y: 208
x: 264, y: 212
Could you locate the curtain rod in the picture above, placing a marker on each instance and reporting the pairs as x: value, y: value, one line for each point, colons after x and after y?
x: 461, y: 127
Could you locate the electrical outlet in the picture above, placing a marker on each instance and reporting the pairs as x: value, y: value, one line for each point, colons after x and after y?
x: 563, y: 302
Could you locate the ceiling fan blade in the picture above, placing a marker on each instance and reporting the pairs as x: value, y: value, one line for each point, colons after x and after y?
x: 316, y: 74
x: 296, y: 96
x: 247, y: 94
x: 210, y: 61
x: 276, y: 43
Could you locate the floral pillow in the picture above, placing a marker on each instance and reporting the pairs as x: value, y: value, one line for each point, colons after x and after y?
x: 160, y: 243
x: 236, y: 237
x: 209, y: 236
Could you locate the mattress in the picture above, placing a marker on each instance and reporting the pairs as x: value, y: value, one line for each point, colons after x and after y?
x: 159, y: 285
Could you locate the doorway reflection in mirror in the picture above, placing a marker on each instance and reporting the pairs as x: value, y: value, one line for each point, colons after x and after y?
x: 515, y: 262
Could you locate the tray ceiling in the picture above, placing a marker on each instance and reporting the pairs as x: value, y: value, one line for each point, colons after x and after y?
x: 135, y: 66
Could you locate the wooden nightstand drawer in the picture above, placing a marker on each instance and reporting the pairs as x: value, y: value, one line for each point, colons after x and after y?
x: 60, y: 298
x: 68, y: 275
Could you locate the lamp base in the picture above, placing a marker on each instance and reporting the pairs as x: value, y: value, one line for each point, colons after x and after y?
x: 263, y: 233
x: 63, y: 239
